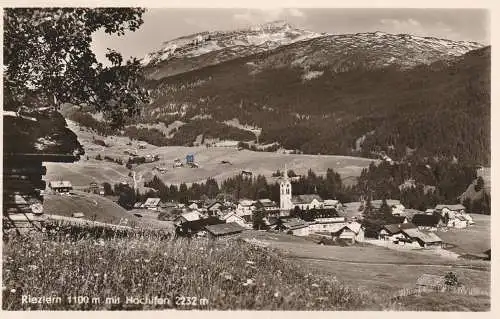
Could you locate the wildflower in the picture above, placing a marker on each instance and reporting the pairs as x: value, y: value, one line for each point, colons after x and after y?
x: 33, y: 267
x: 136, y: 260
x: 276, y: 294
x: 249, y: 282
x: 184, y: 268
x: 315, y: 285
x: 227, y: 276
x: 96, y: 274
x: 146, y: 261
x: 13, y: 290
x: 250, y: 262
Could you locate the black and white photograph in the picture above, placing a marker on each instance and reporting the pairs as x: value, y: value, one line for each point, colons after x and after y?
x: 246, y: 158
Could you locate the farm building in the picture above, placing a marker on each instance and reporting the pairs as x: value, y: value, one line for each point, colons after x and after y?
x: 227, y: 144
x: 294, y: 226
x: 458, y: 221
x: 326, y: 224
x: 245, y: 207
x: 187, y: 217
x: 393, y: 232
x: 424, y: 239
x: 196, y: 226
x: 223, y: 230
x: 331, y: 204
x: 350, y: 232
x: 152, y: 203
x: 215, y: 208
x: 232, y: 217
x: 267, y: 204
x: 428, y: 222
x: 307, y: 201
x: 60, y: 186
x: 451, y: 210
x: 96, y: 189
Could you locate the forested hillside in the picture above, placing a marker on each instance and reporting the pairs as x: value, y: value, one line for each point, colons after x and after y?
x: 441, y: 109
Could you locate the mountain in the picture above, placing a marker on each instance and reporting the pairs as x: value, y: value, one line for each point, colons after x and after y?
x: 208, y: 48
x: 366, y: 94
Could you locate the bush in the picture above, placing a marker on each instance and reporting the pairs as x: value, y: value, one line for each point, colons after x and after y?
x: 451, y: 280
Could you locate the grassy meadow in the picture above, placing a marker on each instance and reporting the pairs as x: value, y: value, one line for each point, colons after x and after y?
x: 225, y: 274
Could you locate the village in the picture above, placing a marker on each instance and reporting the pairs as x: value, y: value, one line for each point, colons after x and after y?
x: 327, y: 221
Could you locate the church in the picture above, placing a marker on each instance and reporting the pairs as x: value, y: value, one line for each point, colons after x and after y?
x: 304, y: 202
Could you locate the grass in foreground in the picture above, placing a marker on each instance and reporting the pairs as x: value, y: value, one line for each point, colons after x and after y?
x: 228, y: 274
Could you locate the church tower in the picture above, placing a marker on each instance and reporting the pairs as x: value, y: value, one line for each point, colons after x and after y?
x: 285, y: 192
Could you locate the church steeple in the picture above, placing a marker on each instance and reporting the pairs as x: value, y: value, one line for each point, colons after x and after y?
x: 285, y: 192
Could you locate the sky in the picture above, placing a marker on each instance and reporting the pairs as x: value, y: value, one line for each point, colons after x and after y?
x: 165, y: 24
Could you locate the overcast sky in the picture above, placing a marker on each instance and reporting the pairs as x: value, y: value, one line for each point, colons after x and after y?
x: 165, y: 24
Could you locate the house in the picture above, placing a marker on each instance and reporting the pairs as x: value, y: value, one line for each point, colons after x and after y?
x: 245, y: 207
x: 215, y: 208
x: 243, y: 221
x: 394, y: 204
x: 393, y: 232
x: 451, y: 210
x: 267, y: 204
x: 326, y: 224
x: 424, y: 239
x: 352, y: 232
x: 294, y: 226
x: 409, y: 213
x: 193, y: 206
x: 307, y: 201
x: 458, y: 222
x: 331, y: 204
x: 187, y: 217
x: 96, y: 189
x: 433, y: 282
x: 193, y: 227
x: 138, y: 205
x: 152, y: 203
x: 223, y: 230
x: 429, y: 222
x: 60, y: 186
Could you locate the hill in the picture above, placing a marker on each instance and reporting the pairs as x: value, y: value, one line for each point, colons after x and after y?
x: 94, y: 207
x: 321, y: 95
x: 88, y: 169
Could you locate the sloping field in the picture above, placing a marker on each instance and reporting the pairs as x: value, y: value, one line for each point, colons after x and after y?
x: 92, y: 206
x: 84, y: 172
x: 209, y: 160
x: 378, y: 269
x: 474, y: 239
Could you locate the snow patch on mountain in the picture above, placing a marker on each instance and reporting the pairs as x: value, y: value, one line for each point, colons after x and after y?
x: 256, y: 39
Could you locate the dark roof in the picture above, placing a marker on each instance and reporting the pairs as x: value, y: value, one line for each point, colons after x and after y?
x: 224, y: 229
x: 306, y: 198
x: 392, y: 228
x: 197, y: 225
x: 425, y: 220
x: 396, y: 228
